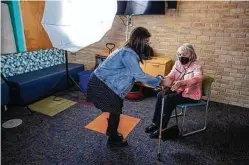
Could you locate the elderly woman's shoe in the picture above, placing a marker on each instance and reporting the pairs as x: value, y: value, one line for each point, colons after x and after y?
x: 151, y: 128
x: 155, y: 134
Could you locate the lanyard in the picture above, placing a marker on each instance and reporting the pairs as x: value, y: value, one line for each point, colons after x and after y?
x: 183, y: 73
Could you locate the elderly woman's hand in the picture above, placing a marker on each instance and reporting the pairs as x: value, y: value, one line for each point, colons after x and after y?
x: 177, y: 84
x: 166, y: 82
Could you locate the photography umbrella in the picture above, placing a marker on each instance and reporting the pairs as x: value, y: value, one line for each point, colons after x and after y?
x: 74, y: 24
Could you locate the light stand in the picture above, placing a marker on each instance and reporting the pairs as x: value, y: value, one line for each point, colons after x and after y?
x: 128, y: 24
x: 69, y: 78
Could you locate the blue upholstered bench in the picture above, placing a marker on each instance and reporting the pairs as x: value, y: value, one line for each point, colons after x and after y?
x: 4, y: 93
x: 31, y: 75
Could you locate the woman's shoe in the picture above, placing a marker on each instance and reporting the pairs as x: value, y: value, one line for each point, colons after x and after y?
x: 151, y: 128
x: 155, y: 134
x: 172, y: 132
x: 113, y: 144
x: 118, y: 141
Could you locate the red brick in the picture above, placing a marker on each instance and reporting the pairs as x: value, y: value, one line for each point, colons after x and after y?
x: 236, y: 84
x: 237, y: 75
x: 226, y: 25
x: 221, y: 52
x: 244, y: 93
x: 226, y: 57
x: 238, y: 35
x: 203, y: 38
x: 235, y: 53
x: 244, y: 5
x: 238, y: 67
x: 232, y: 48
x: 244, y: 25
x: 198, y: 24
x: 237, y: 11
x: 228, y: 78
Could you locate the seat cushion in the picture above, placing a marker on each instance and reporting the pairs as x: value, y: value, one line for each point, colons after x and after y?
x: 36, y: 84
x: 200, y: 103
x: 4, y: 93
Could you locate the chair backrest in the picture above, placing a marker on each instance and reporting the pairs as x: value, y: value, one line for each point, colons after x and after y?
x: 206, y: 85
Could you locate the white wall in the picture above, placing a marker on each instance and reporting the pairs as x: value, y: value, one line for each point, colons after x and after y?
x: 7, y: 36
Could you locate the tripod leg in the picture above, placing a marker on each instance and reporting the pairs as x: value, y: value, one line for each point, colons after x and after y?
x: 69, y: 77
x: 29, y: 110
x: 160, y: 130
x: 74, y: 82
x: 53, y: 87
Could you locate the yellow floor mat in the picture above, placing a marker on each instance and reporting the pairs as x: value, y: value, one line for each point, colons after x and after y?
x: 126, y: 124
x: 50, y: 106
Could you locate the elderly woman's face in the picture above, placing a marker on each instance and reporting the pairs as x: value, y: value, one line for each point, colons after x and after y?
x: 185, y: 54
x: 184, y: 57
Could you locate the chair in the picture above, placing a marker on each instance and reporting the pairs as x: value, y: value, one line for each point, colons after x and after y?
x: 206, y: 91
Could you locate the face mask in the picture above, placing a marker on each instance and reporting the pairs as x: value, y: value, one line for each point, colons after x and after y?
x: 184, y: 60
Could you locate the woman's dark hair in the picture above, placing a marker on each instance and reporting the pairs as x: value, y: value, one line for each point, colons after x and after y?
x: 137, y: 41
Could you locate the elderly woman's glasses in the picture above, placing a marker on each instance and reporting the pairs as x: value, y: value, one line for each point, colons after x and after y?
x: 184, y: 54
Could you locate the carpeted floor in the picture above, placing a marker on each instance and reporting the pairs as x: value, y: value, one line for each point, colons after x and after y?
x: 63, y: 140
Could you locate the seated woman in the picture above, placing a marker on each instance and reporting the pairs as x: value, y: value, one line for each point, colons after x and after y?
x: 186, y: 77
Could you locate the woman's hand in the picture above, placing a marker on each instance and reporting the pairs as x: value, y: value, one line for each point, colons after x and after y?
x: 177, y: 85
x: 166, y: 82
x: 139, y: 84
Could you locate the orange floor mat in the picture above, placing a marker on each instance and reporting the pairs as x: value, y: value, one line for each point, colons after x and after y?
x: 126, y: 124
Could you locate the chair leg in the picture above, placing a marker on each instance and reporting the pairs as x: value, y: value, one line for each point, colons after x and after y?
x: 183, y: 120
x: 205, y: 126
x: 179, y: 114
x: 198, y: 130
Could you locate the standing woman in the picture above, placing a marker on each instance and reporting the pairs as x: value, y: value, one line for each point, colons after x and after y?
x: 114, y: 78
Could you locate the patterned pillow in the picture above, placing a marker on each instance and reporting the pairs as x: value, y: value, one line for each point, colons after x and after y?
x: 19, y: 63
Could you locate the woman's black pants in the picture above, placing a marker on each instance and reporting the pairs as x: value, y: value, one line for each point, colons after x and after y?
x: 113, y: 123
x: 170, y: 102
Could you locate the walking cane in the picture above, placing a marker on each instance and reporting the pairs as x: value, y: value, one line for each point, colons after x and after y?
x: 160, y: 128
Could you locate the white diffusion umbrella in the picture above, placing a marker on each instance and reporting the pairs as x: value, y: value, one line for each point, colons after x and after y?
x: 74, y: 24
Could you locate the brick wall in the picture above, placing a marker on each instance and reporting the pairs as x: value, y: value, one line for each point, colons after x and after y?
x: 218, y: 30
x: 115, y: 35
